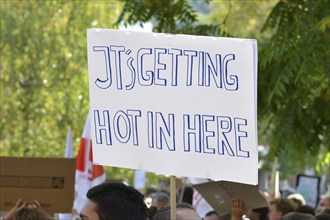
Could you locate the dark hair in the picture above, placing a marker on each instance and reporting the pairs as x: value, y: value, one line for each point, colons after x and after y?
x: 326, y: 211
x: 32, y: 214
x: 305, y: 209
x: 117, y: 201
x: 263, y: 213
x: 323, y: 216
x: 283, y: 205
x: 27, y: 214
x: 297, y: 216
x: 152, y: 211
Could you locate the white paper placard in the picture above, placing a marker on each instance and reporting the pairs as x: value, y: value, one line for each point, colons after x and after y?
x: 174, y: 104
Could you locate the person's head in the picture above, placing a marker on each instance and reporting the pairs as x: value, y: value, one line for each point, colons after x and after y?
x: 298, y: 216
x: 183, y: 212
x: 323, y: 204
x: 297, y: 198
x: 212, y: 215
x: 325, y: 201
x: 258, y: 214
x: 306, y: 209
x: 280, y: 207
x: 326, y: 211
x: 323, y: 216
x: 159, y: 199
x: 27, y: 214
x: 31, y: 214
x: 114, y: 200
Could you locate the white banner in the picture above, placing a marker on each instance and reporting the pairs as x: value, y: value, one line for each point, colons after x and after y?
x: 174, y: 104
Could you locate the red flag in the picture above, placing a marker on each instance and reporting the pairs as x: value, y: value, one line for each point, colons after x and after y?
x: 87, y: 174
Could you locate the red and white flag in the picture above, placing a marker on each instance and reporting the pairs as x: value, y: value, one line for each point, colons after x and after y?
x: 68, y: 154
x: 87, y: 174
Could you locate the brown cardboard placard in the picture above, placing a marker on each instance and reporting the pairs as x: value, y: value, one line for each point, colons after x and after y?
x: 48, y: 180
x: 220, y: 193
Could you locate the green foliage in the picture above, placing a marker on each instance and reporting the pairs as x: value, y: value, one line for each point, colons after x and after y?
x: 171, y: 11
x: 168, y: 16
x: 44, y: 81
x: 242, y: 19
x: 293, y: 82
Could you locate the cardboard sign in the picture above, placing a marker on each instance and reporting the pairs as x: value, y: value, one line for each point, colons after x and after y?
x: 174, y: 104
x: 219, y: 195
x: 309, y: 187
x: 48, y: 180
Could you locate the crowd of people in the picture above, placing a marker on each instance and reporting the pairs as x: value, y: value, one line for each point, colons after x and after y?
x: 117, y: 201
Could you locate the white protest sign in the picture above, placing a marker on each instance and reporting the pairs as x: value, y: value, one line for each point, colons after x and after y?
x: 174, y: 104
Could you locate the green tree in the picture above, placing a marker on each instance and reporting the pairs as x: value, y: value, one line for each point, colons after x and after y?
x: 242, y: 19
x: 175, y: 16
x: 293, y: 83
x: 294, y: 91
x: 44, y: 77
x: 44, y: 80
x: 293, y: 79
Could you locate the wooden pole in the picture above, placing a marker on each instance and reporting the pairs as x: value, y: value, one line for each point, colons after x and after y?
x: 277, y: 193
x: 274, y: 183
x: 173, y: 197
